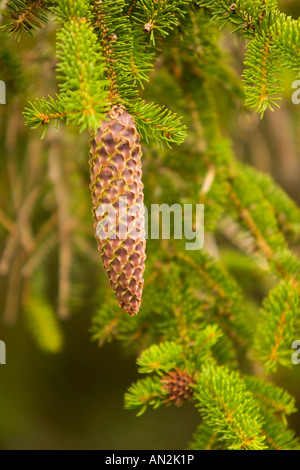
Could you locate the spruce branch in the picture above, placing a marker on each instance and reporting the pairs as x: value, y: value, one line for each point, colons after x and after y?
x: 245, y: 15
x: 205, y: 439
x: 285, y: 209
x: 83, y: 88
x: 285, y: 32
x: 27, y: 15
x: 261, y: 83
x: 160, y: 358
x: 106, y: 323
x: 279, y: 326
x: 144, y: 393
x: 185, y: 312
x: 225, y: 292
x: 157, y: 123
x: 272, y: 33
x: 80, y: 71
x: 255, y: 214
x: 277, y: 436
x: 115, y: 36
x: 159, y: 17
x: 127, y: 60
x: 229, y: 409
x: 42, y: 112
x: 273, y: 398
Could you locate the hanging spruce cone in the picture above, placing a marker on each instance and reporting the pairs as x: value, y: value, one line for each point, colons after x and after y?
x: 178, y: 385
x: 118, y: 210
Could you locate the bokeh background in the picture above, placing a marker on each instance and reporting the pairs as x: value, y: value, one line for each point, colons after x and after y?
x: 74, y: 399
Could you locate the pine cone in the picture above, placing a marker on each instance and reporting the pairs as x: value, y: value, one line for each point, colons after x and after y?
x: 178, y: 385
x: 116, y: 170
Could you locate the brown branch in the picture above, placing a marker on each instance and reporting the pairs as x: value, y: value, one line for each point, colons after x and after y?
x: 13, y: 290
x: 21, y: 234
x: 63, y: 208
x: 39, y: 255
x: 6, y: 222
